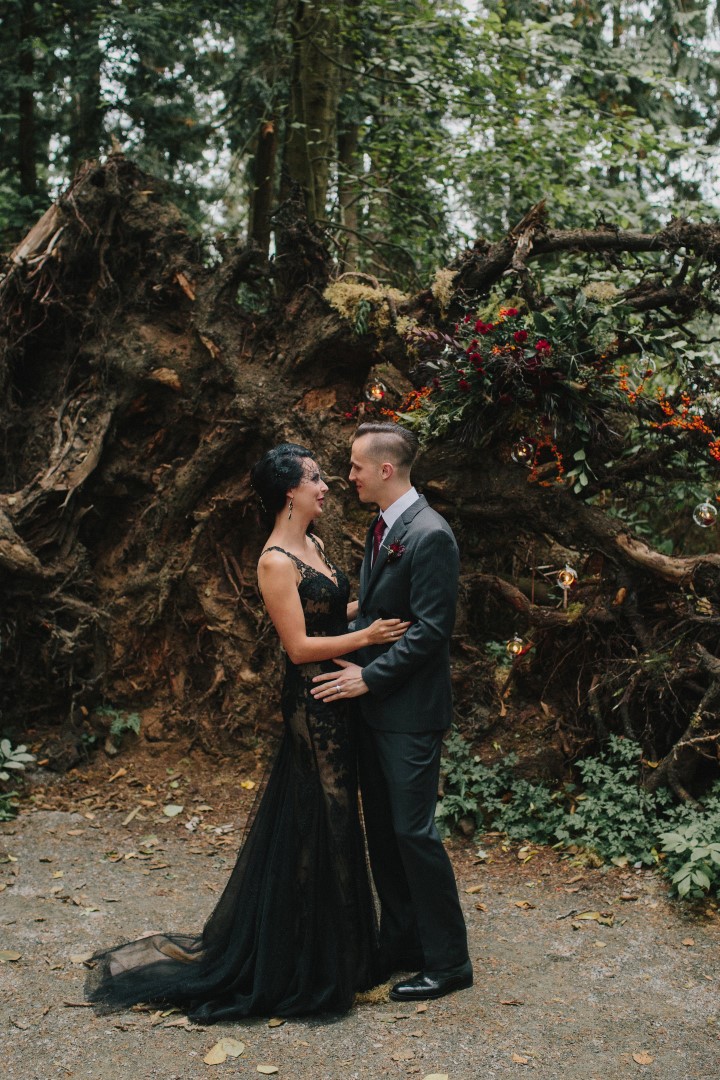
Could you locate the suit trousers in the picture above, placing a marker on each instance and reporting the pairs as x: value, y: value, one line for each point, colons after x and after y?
x: 420, y: 913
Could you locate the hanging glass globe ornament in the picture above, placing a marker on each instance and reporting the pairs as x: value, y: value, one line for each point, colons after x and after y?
x: 567, y: 577
x: 644, y: 367
x: 375, y: 391
x: 523, y: 452
x: 705, y: 515
x: 515, y: 646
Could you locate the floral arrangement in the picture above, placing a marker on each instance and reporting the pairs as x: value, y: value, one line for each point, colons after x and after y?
x: 504, y: 376
x: 558, y: 390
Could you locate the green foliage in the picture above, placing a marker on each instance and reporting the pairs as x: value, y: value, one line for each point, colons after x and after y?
x: 120, y: 722
x: 459, y: 116
x: 692, y: 847
x: 14, y: 759
x: 610, y: 816
x: 614, y: 815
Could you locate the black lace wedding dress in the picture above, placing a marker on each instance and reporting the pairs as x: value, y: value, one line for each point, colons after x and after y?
x: 294, y: 931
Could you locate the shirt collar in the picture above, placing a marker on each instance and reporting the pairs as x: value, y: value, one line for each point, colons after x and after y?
x: 396, y: 509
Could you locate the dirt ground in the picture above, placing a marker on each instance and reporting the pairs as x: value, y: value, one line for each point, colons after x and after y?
x: 584, y: 974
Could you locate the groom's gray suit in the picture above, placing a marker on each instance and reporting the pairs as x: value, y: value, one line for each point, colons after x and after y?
x: 414, y: 577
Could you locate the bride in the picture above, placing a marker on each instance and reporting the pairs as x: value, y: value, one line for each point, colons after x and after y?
x: 294, y: 931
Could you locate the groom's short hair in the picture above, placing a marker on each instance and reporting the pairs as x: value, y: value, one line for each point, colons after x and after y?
x: 391, y: 442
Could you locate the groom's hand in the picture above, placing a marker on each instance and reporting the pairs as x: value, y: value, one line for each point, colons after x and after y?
x: 340, y: 685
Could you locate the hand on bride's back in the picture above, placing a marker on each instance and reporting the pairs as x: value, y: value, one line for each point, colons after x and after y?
x: 385, y: 631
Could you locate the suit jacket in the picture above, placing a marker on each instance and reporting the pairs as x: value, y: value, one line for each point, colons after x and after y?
x: 409, y: 681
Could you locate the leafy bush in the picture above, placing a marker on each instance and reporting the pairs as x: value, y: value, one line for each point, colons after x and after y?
x: 15, y: 760
x: 692, y: 847
x: 614, y: 815
x: 609, y: 815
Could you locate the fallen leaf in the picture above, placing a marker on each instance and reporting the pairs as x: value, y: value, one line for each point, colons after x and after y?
x: 519, y: 1060
x: 249, y: 785
x: 525, y: 905
x: 480, y: 907
x: 222, y: 1050
x: 643, y: 1058
x: 131, y: 815
x: 626, y: 897
x: 604, y: 918
x: 9, y: 955
x: 267, y: 1070
x: 172, y: 810
x: 511, y: 1001
x: 80, y: 958
x: 600, y: 944
x: 688, y: 941
x: 473, y: 889
x: 277, y: 1021
x: 116, y: 776
x: 421, y: 1008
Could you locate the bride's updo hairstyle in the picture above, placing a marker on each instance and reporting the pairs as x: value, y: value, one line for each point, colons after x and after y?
x: 279, y: 470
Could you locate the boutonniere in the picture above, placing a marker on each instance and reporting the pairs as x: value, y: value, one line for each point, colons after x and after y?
x: 395, y: 551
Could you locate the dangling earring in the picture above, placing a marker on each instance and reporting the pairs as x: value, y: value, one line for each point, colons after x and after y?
x: 290, y: 508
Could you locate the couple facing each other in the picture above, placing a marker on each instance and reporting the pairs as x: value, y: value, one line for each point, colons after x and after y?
x: 295, y: 931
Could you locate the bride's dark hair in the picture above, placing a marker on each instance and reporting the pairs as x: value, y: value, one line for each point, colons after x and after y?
x: 277, y: 471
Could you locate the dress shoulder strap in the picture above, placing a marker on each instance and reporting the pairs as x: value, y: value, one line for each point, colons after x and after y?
x: 276, y: 548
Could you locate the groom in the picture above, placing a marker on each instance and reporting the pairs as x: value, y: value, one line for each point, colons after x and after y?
x: 410, y: 571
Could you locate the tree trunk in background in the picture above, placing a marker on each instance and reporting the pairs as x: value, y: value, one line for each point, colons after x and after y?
x: 263, y: 184
x: 26, y: 102
x: 310, y: 133
x: 349, y: 193
x: 86, y: 127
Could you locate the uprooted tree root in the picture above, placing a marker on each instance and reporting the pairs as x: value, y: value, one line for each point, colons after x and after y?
x: 135, y: 393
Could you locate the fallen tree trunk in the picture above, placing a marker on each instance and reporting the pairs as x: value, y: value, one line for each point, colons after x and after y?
x: 136, y: 390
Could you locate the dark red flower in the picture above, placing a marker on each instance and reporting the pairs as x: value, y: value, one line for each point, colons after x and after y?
x: 463, y: 384
x: 543, y: 346
x: 509, y: 312
x: 520, y: 336
x: 484, y: 328
x: 395, y: 552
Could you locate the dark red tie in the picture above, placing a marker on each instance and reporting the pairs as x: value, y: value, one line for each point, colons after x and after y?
x: 377, y: 536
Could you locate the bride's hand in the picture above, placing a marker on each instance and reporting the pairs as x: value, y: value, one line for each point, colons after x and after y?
x: 386, y: 631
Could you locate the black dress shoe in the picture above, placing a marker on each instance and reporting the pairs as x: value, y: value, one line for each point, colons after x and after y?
x: 434, y: 984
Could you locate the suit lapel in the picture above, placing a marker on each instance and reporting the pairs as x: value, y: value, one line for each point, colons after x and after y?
x: 392, y: 536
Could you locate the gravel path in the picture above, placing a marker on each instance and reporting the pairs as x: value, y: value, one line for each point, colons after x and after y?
x: 555, y: 995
